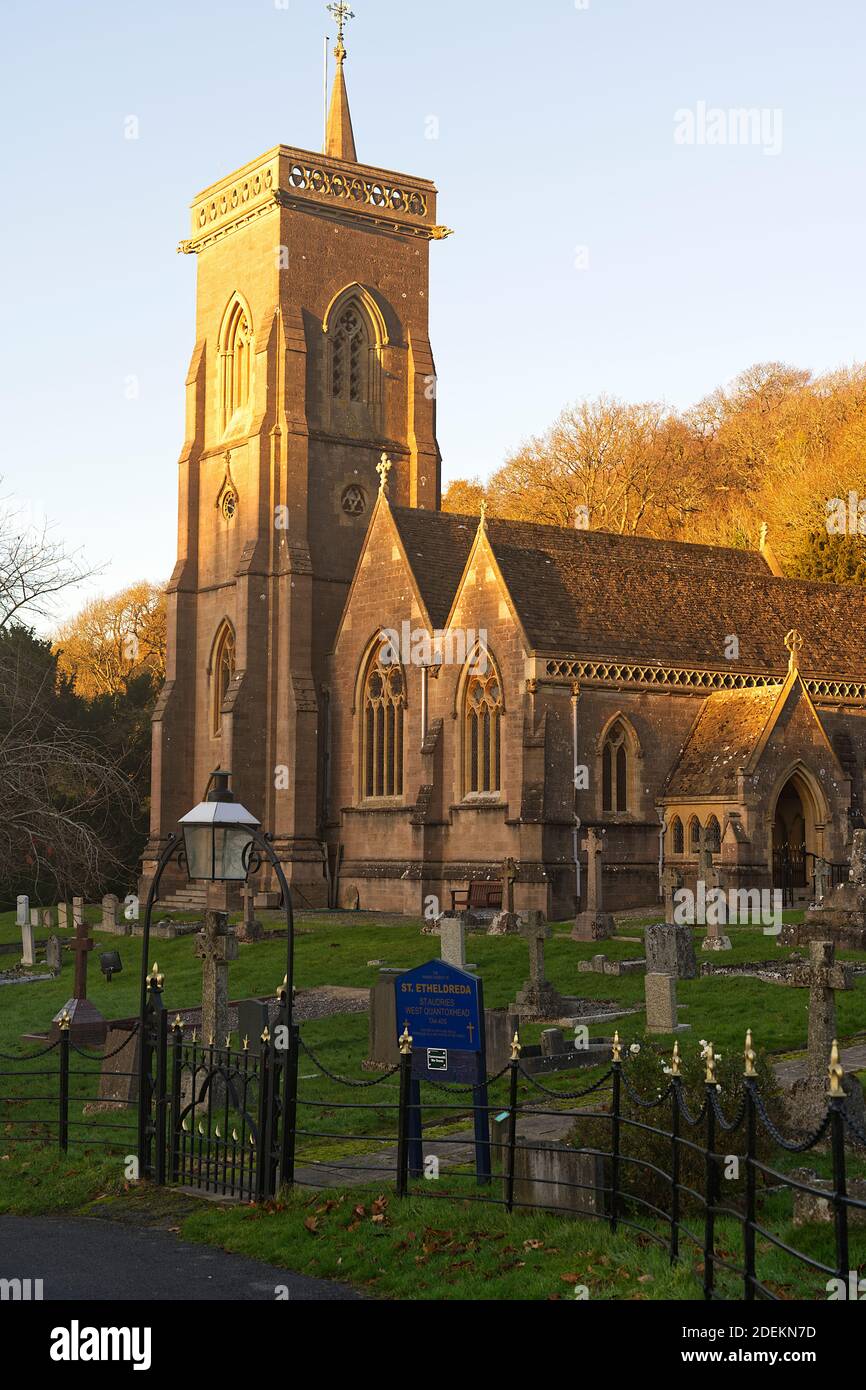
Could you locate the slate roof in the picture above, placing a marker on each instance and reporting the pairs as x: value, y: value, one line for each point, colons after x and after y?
x: 626, y: 598
x: 722, y: 739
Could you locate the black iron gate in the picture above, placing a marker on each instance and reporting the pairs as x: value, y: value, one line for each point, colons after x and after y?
x: 212, y: 1116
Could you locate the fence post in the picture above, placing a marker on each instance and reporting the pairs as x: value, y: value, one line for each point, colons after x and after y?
x: 153, y: 1008
x: 290, y: 1107
x: 263, y: 1147
x: 710, y: 1178
x: 676, y: 1097
x: 836, y: 1097
x: 161, y: 1095
x: 176, y: 1082
x: 403, y: 1112
x: 512, y: 1121
x: 615, y: 1130
x: 63, y: 1127
x: 749, y: 1081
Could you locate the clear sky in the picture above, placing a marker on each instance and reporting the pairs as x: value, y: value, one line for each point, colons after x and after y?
x: 595, y: 250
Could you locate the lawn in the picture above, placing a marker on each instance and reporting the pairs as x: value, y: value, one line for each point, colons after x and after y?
x: 335, y: 950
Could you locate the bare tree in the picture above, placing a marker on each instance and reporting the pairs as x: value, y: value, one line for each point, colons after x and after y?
x: 35, y: 567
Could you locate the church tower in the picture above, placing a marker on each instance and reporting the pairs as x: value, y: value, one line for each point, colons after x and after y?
x: 311, y: 361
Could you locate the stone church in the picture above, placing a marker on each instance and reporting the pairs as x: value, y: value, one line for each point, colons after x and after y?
x: 407, y: 697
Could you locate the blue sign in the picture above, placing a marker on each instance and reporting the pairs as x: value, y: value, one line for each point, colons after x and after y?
x: 442, y: 1006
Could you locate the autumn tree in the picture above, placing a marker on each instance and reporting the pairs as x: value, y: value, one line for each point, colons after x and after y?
x: 115, y: 640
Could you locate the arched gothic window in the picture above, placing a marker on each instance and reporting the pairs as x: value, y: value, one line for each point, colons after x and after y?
x: 382, y: 731
x: 694, y: 836
x: 677, y: 836
x: 714, y: 835
x: 350, y: 356
x: 614, y: 770
x: 236, y: 345
x: 482, y: 732
x: 222, y: 674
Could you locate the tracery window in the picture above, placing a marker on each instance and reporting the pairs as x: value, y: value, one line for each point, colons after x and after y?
x: 694, y: 836
x: 714, y: 835
x: 382, y: 733
x: 482, y: 732
x: 350, y: 353
x: 235, y: 362
x: 614, y: 770
x: 223, y: 671
x: 677, y: 836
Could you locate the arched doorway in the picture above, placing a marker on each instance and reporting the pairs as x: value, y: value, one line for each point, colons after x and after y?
x: 789, y: 839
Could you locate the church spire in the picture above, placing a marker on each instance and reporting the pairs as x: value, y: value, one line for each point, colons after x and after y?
x: 339, y: 137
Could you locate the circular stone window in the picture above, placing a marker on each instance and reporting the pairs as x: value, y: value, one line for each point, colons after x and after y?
x: 229, y: 504
x: 353, y: 501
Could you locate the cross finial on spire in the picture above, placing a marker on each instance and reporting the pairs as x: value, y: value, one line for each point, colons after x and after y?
x: 383, y: 468
x: 482, y: 514
x: 342, y: 14
x: 794, y: 643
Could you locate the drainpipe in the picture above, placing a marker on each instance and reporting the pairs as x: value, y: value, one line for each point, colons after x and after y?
x: 660, y: 812
x: 425, y: 673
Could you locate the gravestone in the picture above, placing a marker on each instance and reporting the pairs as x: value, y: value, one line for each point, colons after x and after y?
x: 34, y: 917
x: 842, y: 913
x: 22, y: 910
x: 48, y: 918
x: 714, y: 938
x: 672, y: 882
x: 216, y: 946
x: 452, y: 938
x: 500, y: 1025
x: 118, y: 1078
x: 660, y: 992
x: 52, y: 955
x: 552, y: 1042
x: 593, y: 924
x: 87, y: 1027
x: 822, y: 880
x: 28, y: 944
x: 77, y: 912
x: 806, y: 1099
x: 506, y: 922
x: 538, y: 998
x: 670, y: 951
x: 250, y: 928
x: 111, y: 918
x: 384, y: 1051
x: 253, y: 1019
x: 63, y: 916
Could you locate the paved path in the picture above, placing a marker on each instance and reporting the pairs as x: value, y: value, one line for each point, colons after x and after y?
x: 853, y: 1059
x: 104, y: 1260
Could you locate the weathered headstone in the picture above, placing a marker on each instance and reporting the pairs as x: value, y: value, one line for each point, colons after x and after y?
x: 552, y: 1042
x: 842, y: 913
x: 383, y: 1022
x: 660, y: 992
x: 715, y: 938
x: 253, y: 1018
x: 672, y: 882
x: 22, y: 910
x: 216, y: 946
x: 452, y: 937
x: 77, y: 912
x: 34, y: 917
x: 593, y: 924
x: 118, y: 1080
x: 48, y: 918
x: 63, y: 916
x: 52, y: 955
x: 538, y: 998
x: 28, y: 944
x: 110, y: 912
x: 670, y: 951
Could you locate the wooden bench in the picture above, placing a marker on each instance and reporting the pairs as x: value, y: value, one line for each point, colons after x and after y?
x: 480, y: 896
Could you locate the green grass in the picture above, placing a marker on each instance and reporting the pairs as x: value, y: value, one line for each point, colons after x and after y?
x: 335, y: 950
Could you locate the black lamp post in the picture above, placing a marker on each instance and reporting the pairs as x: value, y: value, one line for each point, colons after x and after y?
x: 222, y: 843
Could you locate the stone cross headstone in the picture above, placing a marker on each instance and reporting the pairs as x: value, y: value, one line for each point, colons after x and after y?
x: 28, y: 951
x: 822, y: 977
x: 216, y: 946
x: 509, y: 874
x: 87, y: 1025
x: 822, y: 879
x: 52, y: 955
x: 452, y: 941
x: 593, y: 924
x: 250, y: 929
x: 538, y: 997
x: 506, y: 922
x: 715, y: 938
x: 806, y: 1098
x: 660, y: 992
x: 22, y: 910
